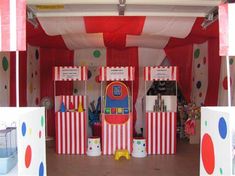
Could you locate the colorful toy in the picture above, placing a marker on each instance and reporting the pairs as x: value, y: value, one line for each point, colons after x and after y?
x: 62, y: 107
x: 80, y: 108
x: 122, y: 153
x: 71, y: 106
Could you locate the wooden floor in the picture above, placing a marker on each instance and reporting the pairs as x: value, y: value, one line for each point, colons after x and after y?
x: 184, y: 163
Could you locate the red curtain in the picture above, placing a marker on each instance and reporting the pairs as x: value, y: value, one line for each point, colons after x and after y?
x: 48, y: 59
x: 214, y: 63
x: 126, y: 57
x: 182, y: 57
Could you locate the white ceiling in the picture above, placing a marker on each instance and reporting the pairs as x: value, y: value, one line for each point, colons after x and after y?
x: 190, y: 8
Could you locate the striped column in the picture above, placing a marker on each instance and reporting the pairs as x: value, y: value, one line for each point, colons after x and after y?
x: 161, y: 132
x: 70, y: 132
x: 116, y: 136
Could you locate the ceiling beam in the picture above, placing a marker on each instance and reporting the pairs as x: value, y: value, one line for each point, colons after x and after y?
x: 136, y: 2
x: 94, y: 13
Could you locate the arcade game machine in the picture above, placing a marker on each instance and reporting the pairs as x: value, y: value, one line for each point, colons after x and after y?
x: 116, y: 108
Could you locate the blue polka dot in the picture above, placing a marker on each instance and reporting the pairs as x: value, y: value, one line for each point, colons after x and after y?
x: 23, y: 128
x: 222, y: 128
x: 41, y: 169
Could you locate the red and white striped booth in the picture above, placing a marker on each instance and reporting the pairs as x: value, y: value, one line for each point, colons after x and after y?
x: 161, y: 126
x: 117, y: 129
x: 71, y: 126
x: 70, y: 73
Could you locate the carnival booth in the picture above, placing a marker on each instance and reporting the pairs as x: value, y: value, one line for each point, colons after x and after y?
x: 161, y: 108
x: 71, y: 112
x: 116, y: 108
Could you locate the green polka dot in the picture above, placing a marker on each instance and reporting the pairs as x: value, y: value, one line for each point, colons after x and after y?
x: 205, y: 123
x: 221, y: 171
x: 42, y: 121
x: 196, y: 53
x: 96, y: 53
x: 138, y: 142
x: 5, y: 63
x: 230, y: 61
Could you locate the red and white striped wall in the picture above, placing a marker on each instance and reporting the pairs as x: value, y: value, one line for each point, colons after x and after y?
x: 117, y: 74
x: 12, y: 25
x: 70, y: 73
x: 116, y: 136
x: 71, y: 133
x: 169, y: 73
x: 161, y: 132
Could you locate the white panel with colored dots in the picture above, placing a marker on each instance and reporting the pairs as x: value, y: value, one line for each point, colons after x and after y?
x: 217, y: 134
x: 5, y: 79
x: 199, y: 73
x: 31, y: 147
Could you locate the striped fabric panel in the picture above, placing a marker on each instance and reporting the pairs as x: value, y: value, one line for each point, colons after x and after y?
x: 149, y: 70
x: 105, y: 77
x: 12, y: 25
x: 161, y: 132
x: 116, y: 137
x: 71, y: 132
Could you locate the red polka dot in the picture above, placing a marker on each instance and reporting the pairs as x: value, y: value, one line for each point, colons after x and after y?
x: 204, y: 60
x: 90, y: 148
x: 200, y: 94
x: 207, y: 152
x: 28, y: 156
x: 225, y: 83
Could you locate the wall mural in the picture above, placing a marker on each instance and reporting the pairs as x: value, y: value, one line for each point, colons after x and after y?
x: 33, y: 76
x: 5, y: 79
